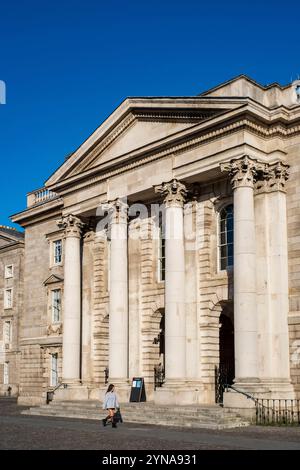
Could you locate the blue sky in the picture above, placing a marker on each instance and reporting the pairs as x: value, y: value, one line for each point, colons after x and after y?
x: 68, y: 64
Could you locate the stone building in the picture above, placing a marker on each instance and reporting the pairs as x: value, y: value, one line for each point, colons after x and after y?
x: 170, y: 238
x: 11, y: 307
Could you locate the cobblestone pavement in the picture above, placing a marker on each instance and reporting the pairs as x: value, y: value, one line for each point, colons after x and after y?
x: 34, y: 432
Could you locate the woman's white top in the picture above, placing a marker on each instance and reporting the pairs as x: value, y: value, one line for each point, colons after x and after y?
x: 110, y: 401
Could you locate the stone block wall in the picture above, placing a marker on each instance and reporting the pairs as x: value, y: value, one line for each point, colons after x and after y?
x: 293, y: 229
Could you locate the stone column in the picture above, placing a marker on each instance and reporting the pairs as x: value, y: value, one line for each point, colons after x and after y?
x: 118, y: 295
x: 272, y: 279
x: 72, y: 299
x: 175, y: 328
x: 243, y: 172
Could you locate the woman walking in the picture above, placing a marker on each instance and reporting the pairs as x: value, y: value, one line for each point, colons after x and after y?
x: 110, y: 404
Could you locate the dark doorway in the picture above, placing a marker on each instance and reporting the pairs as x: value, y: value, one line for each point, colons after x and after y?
x: 225, y: 370
x: 159, y: 369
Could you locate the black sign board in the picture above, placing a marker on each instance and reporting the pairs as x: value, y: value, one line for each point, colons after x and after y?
x: 138, y: 390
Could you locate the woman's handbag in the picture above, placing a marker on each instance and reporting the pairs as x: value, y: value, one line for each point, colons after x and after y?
x: 118, y: 417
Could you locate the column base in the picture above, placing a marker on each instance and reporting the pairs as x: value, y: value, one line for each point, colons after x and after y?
x: 258, y: 388
x: 179, y: 392
x: 72, y: 392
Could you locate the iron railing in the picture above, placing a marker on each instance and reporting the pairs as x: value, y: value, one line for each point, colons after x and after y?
x: 280, y: 412
x: 274, y: 412
x: 50, y: 393
x: 159, y: 377
x: 223, y: 379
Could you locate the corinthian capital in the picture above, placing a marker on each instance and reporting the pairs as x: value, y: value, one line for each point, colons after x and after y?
x: 273, y: 178
x: 118, y: 211
x: 72, y: 225
x: 174, y: 193
x: 242, y: 171
x: 280, y: 175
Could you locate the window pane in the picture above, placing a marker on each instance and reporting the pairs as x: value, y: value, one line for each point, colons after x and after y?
x: 8, y: 271
x: 224, y: 251
x: 229, y: 237
x: 226, y: 237
x: 57, y: 251
x: 56, y: 305
x: 6, y: 373
x: 54, y: 370
x: 230, y: 223
x: 223, y: 238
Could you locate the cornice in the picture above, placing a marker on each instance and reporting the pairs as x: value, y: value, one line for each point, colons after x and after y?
x: 241, y: 119
x: 99, y: 174
x: 38, y: 213
x: 12, y: 246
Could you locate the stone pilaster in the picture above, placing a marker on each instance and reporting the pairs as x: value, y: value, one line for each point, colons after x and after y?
x: 272, y: 280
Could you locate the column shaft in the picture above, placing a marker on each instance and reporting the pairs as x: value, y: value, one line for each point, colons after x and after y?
x: 72, y: 300
x: 118, y: 296
x: 175, y: 325
x: 174, y: 295
x: 245, y: 315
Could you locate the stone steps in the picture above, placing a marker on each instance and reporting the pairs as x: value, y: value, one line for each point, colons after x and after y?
x: 209, y: 417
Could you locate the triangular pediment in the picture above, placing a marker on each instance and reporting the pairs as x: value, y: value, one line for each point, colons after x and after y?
x: 135, y: 125
x: 52, y: 279
x: 10, y: 236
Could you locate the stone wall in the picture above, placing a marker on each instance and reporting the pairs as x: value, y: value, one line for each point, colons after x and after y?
x: 35, y: 342
x: 293, y: 217
x: 10, y: 353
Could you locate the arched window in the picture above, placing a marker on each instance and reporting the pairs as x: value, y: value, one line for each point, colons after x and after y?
x: 226, y: 237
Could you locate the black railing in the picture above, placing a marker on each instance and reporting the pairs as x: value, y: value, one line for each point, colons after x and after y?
x: 273, y: 412
x: 159, y: 376
x: 106, y: 375
x: 50, y: 393
x: 223, y: 379
x: 279, y: 412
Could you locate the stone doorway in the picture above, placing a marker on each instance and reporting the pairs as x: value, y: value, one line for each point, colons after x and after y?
x: 225, y: 370
x: 226, y: 344
x: 159, y: 342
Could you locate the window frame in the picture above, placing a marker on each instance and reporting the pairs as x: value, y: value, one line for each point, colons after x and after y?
x: 53, y: 378
x: 6, y: 275
x: 6, y: 373
x: 53, y: 306
x: 161, y: 258
x: 9, y: 336
x: 53, y: 252
x: 219, y: 245
x: 6, y: 306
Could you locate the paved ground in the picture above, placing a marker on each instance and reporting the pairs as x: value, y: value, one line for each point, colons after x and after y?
x: 34, y: 432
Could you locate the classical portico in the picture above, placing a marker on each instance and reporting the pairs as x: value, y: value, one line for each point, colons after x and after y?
x: 169, y: 235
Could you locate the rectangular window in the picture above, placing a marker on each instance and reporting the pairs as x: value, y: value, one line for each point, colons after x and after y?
x: 56, y: 305
x: 7, y: 332
x: 6, y: 373
x: 8, y: 298
x: 54, y: 370
x: 57, y: 252
x: 9, y: 271
x: 161, y: 252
